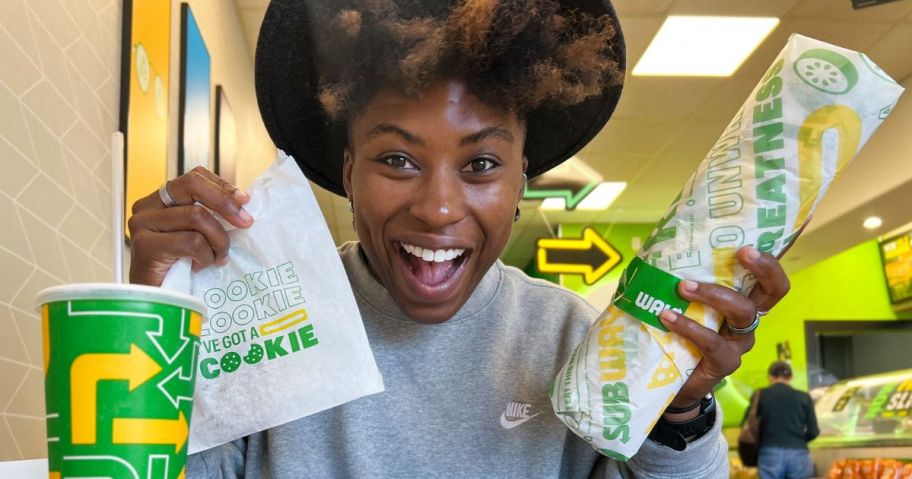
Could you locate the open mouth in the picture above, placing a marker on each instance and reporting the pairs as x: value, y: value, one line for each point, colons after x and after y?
x: 432, y: 267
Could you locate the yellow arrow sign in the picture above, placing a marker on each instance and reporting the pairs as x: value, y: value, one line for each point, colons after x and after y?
x: 151, y: 431
x: 85, y: 373
x: 590, y: 256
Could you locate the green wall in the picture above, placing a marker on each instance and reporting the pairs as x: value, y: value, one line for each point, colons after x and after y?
x: 847, y: 286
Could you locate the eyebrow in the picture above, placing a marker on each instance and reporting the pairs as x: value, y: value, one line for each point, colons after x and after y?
x: 489, y: 132
x: 384, y: 128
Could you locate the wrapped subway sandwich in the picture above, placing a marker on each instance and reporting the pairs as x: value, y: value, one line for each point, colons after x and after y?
x: 806, y: 119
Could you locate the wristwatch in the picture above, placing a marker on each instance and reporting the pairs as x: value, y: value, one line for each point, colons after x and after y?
x: 676, y: 435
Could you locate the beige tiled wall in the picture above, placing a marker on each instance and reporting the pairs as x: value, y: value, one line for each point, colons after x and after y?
x: 59, y: 77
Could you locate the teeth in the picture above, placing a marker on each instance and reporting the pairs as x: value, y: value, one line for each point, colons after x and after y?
x: 437, y: 256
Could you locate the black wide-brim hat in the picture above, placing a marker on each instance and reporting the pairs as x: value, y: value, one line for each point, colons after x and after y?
x: 287, y: 88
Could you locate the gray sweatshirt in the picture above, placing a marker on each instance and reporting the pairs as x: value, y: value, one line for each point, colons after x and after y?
x: 465, y: 398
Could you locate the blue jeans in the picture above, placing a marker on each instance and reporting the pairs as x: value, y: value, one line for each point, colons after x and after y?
x: 782, y: 463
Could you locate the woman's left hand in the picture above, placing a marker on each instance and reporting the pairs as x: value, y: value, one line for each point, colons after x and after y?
x: 722, y: 350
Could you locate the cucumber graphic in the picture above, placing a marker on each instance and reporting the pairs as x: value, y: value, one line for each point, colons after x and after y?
x: 827, y: 71
x: 143, y: 68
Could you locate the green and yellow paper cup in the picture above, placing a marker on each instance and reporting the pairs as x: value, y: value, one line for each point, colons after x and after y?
x: 119, y: 365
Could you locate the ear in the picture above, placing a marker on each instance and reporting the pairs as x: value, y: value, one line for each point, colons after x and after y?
x: 522, y: 187
x: 347, y: 172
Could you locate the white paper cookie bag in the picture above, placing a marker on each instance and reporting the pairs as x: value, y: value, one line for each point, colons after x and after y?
x: 283, y: 337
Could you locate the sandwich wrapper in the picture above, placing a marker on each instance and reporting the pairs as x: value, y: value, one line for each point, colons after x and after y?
x: 282, y: 338
x: 810, y: 114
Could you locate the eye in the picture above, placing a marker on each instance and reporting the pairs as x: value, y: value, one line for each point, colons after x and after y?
x: 400, y: 162
x: 480, y: 165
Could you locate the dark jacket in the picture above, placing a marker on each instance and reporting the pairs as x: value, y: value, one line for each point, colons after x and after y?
x: 787, y: 417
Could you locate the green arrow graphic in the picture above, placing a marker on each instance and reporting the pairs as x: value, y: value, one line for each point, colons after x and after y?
x: 572, y: 196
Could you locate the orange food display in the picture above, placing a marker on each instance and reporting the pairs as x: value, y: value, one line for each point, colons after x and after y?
x: 870, y: 469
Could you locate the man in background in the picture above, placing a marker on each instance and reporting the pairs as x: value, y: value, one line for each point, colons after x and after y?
x: 787, y: 424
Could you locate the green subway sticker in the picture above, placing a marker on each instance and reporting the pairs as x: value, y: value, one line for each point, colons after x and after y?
x: 645, y: 291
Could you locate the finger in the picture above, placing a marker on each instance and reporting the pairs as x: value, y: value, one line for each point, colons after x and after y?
x: 202, y: 186
x: 703, y: 338
x: 772, y: 282
x: 702, y: 380
x: 187, y: 244
x: 737, y: 309
x: 721, y: 356
x: 184, y: 218
x: 154, y: 253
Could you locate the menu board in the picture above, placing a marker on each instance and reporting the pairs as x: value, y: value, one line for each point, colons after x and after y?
x: 870, y: 410
x: 897, y: 261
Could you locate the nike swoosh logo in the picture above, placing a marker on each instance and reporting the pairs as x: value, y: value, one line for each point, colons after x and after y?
x: 510, y: 424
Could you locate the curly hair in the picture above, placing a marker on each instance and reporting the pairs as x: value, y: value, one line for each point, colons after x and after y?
x: 513, y: 54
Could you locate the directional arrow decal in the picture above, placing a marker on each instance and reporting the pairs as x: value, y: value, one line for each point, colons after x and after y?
x: 85, y: 373
x: 572, y: 181
x: 174, y: 384
x: 151, y: 431
x: 571, y: 194
x: 590, y: 256
x: 154, y: 336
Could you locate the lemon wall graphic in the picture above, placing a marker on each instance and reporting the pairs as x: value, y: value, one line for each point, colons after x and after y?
x: 119, y: 377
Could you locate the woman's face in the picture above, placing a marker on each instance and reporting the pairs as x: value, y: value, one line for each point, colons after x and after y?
x: 435, y: 182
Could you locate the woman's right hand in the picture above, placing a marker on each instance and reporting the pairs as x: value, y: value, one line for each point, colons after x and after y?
x: 160, y: 236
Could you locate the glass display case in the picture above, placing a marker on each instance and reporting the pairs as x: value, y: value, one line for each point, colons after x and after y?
x: 869, y: 411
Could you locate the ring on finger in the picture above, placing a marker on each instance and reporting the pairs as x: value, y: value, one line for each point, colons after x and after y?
x: 750, y: 329
x: 166, y: 197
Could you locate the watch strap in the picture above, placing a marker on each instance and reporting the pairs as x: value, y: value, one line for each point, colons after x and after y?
x: 676, y: 434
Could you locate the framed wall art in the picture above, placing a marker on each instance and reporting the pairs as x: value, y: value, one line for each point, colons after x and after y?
x: 145, y: 73
x: 194, y: 122
x: 225, y: 137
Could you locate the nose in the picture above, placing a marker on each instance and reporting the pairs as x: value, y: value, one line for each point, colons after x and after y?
x: 440, y: 199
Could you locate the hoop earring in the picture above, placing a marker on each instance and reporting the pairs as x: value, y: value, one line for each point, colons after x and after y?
x: 516, y: 216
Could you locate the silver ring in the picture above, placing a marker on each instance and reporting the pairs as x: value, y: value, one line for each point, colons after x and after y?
x: 166, y: 197
x: 750, y: 329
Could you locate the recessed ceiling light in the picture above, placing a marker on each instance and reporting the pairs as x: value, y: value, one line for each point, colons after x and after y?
x: 602, y: 196
x: 872, y: 222
x: 553, y: 204
x: 703, y: 46
x: 598, y: 199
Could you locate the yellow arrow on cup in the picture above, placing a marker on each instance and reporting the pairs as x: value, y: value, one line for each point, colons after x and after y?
x: 85, y: 373
x: 151, y: 431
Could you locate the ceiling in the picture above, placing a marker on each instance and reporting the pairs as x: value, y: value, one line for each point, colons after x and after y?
x: 663, y: 126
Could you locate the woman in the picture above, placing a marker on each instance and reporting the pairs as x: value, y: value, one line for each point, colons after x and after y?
x: 429, y: 116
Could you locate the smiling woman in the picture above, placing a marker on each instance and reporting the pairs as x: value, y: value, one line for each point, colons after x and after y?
x: 444, y: 173
x: 429, y: 116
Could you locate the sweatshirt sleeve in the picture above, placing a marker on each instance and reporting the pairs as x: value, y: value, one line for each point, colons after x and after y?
x: 707, y: 457
x: 222, y: 462
x: 811, y: 430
